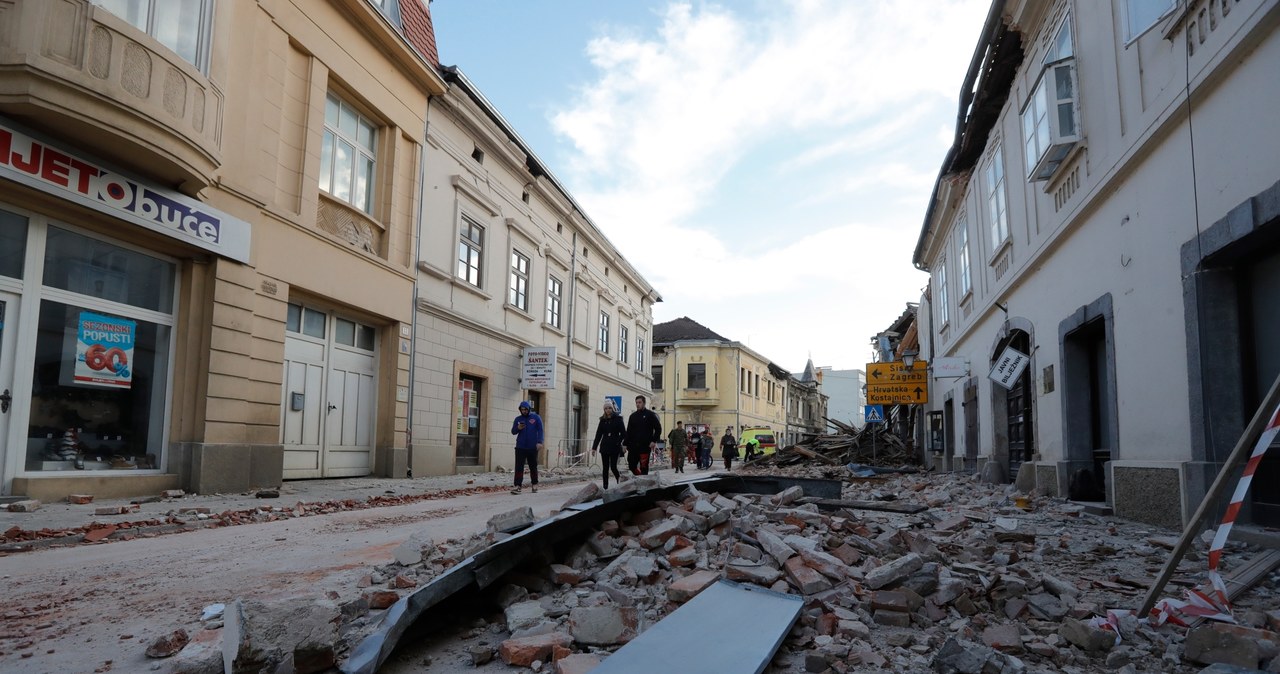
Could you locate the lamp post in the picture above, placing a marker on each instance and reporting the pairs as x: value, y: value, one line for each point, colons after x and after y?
x: 909, y: 358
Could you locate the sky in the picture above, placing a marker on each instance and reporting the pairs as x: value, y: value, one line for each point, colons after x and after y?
x: 765, y: 165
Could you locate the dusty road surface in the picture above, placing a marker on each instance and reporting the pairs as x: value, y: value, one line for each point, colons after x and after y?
x: 96, y: 607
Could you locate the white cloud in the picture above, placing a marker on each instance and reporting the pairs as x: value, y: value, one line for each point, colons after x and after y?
x: 858, y: 88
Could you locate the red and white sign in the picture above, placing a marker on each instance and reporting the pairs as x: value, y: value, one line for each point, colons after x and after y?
x: 32, y: 161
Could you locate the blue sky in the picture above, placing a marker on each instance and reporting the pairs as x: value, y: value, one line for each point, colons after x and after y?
x: 765, y: 165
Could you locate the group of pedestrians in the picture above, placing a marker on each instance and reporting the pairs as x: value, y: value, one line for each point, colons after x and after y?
x: 638, y: 437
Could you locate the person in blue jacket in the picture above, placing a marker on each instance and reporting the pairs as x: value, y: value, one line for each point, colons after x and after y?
x: 528, y: 431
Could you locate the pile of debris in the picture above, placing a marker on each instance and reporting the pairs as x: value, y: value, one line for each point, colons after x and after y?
x: 967, y: 583
x: 873, y: 445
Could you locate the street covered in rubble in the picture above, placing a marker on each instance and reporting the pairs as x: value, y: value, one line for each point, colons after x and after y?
x: 903, y: 571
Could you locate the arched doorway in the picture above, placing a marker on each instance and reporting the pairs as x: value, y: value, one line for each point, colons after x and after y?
x: 1014, y: 409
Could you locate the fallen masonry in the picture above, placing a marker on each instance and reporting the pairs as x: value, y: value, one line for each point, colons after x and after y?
x: 970, y: 584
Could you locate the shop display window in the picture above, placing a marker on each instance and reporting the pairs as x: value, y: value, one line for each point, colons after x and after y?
x: 88, y: 266
x: 13, y: 243
x: 98, y: 390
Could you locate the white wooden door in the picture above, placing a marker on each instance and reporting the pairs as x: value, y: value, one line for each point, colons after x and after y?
x: 328, y: 398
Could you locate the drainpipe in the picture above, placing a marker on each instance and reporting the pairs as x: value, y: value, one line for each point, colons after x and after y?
x: 568, y: 351
x: 737, y: 408
x: 413, y: 326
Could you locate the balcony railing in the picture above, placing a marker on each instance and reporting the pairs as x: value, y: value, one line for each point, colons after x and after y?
x: 697, y: 396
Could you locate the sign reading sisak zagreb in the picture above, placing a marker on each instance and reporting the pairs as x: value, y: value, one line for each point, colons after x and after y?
x: 893, y: 383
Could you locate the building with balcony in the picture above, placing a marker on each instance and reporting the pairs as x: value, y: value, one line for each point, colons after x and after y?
x: 208, y: 234
x: 1102, y: 244
x: 704, y: 379
x: 509, y: 262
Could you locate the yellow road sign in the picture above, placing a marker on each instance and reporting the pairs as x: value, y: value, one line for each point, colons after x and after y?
x: 897, y: 394
x: 896, y: 372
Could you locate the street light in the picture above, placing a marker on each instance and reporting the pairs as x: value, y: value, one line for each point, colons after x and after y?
x: 909, y: 358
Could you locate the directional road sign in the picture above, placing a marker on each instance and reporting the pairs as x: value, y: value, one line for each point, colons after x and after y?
x: 893, y: 383
x: 873, y: 414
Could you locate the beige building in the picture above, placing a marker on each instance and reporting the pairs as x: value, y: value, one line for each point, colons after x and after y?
x: 704, y: 379
x: 509, y: 266
x: 208, y: 225
x: 1102, y: 245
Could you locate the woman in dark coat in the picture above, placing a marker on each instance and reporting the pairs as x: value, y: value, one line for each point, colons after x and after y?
x: 609, y: 434
x: 728, y: 448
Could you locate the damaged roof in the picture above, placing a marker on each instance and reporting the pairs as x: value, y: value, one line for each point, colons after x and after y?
x: 684, y: 329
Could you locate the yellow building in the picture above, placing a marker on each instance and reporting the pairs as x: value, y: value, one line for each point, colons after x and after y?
x: 208, y: 222
x: 702, y: 378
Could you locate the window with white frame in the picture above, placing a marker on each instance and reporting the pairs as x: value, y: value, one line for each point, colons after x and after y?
x: 623, y: 336
x: 997, y: 207
x: 554, y: 292
x: 640, y: 351
x: 962, y: 257
x: 603, y: 341
x: 348, y: 154
x: 943, y: 303
x: 1139, y: 15
x: 470, y: 251
x: 1050, y: 116
x: 181, y: 25
x: 518, y: 288
x: 389, y: 9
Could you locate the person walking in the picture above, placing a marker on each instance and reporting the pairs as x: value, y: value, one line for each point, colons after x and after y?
x: 527, y: 428
x: 676, y: 440
x: 728, y: 448
x: 609, y: 434
x: 706, y: 445
x: 644, y: 430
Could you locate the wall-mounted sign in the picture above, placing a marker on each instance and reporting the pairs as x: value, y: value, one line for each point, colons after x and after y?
x: 949, y: 368
x: 616, y: 401
x: 1009, y: 367
x: 25, y: 158
x: 538, y: 367
x: 104, y: 351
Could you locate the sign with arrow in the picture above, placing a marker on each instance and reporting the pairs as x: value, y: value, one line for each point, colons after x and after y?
x: 893, y: 383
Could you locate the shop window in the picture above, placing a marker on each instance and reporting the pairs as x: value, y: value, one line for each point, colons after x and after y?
x: 181, y: 25
x: 348, y: 155
x: 88, y: 266
x: 13, y: 243
x: 98, y: 392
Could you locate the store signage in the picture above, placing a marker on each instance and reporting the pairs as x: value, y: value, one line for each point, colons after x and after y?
x: 1009, y: 367
x: 538, y: 367
x: 104, y: 351
x: 26, y: 159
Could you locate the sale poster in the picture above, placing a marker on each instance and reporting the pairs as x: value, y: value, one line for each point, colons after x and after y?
x: 104, y: 350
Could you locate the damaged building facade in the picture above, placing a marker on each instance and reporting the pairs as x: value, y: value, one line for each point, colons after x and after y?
x: 1106, y: 223
x: 508, y: 263
x: 206, y: 240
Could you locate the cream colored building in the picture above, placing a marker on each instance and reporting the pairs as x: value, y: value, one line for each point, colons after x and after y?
x: 704, y: 379
x: 509, y: 262
x: 208, y: 226
x: 1109, y: 210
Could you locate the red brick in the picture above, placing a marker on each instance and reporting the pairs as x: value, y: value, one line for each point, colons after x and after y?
x: 579, y: 663
x: 95, y: 535
x: 847, y: 554
x: 80, y: 499
x: 561, y: 574
x: 890, y: 600
x: 403, y: 582
x: 523, y: 651
x: 380, y: 599
x: 686, y: 588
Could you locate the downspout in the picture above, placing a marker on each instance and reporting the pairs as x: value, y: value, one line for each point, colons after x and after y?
x: 417, y: 242
x: 568, y: 352
x: 737, y: 408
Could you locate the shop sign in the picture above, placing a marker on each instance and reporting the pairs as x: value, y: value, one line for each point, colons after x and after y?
x: 1009, y: 367
x: 104, y: 350
x: 538, y: 367
x: 26, y: 159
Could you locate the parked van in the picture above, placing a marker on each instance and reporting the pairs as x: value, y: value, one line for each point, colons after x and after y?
x: 762, y: 436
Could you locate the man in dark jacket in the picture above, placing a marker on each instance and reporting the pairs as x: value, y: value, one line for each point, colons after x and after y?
x: 527, y: 428
x: 643, y: 433
x: 609, y: 435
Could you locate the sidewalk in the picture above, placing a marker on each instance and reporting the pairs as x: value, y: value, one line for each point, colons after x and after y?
x: 63, y: 523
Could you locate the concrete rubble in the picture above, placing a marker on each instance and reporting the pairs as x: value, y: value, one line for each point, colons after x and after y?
x: 971, y: 584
